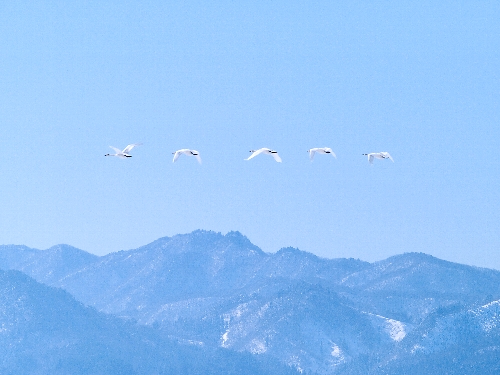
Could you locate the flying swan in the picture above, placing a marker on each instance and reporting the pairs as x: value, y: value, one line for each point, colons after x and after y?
x: 188, y: 152
x: 126, y: 151
x: 378, y: 155
x: 321, y: 150
x: 267, y: 151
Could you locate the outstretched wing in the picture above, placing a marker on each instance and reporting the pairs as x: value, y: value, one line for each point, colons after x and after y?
x: 331, y: 152
x: 196, y: 155
x: 129, y: 148
x: 276, y: 157
x: 116, y: 150
x: 176, y: 155
x: 255, y: 153
x: 370, y: 158
x: 312, y: 151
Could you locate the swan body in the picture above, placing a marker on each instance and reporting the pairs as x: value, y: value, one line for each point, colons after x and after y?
x: 188, y: 152
x: 321, y: 150
x: 125, y: 153
x: 266, y: 151
x: 378, y: 155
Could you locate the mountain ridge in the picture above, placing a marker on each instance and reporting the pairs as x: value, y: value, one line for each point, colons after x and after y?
x: 223, y: 291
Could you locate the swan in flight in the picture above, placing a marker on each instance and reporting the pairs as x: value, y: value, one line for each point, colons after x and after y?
x: 267, y: 151
x: 321, y: 150
x: 186, y: 151
x: 126, y: 151
x: 378, y: 155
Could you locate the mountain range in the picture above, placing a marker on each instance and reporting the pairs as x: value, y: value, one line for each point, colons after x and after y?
x: 208, y: 295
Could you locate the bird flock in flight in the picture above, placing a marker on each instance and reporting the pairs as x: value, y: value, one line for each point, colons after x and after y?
x: 125, y: 153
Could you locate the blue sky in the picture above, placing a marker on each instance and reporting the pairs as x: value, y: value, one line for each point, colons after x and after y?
x: 420, y: 80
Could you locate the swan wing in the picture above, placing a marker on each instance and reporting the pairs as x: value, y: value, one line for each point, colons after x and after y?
x: 129, y: 148
x: 276, y: 156
x: 255, y: 153
x: 176, y: 155
x: 331, y: 152
x: 196, y: 155
x: 312, y: 151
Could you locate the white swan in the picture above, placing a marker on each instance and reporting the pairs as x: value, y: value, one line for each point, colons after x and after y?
x: 188, y: 152
x: 378, y: 155
x: 126, y: 151
x: 321, y: 150
x: 267, y: 151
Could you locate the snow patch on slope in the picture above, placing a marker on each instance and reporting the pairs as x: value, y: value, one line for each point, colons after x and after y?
x: 488, y: 316
x: 394, y: 329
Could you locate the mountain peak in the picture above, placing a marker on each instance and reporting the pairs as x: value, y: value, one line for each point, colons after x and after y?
x: 68, y: 250
x: 202, y: 241
x: 293, y: 251
x: 63, y: 247
x: 412, y: 259
x: 418, y: 256
x: 239, y: 239
x: 289, y: 249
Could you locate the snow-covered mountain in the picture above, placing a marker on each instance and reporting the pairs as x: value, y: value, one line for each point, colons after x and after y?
x: 44, y: 330
x: 317, y: 315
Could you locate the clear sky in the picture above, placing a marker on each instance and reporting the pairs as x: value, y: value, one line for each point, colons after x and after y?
x: 417, y: 79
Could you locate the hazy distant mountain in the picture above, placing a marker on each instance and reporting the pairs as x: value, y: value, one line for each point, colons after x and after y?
x: 411, y: 286
x: 50, y: 265
x: 45, y: 331
x: 319, y: 315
